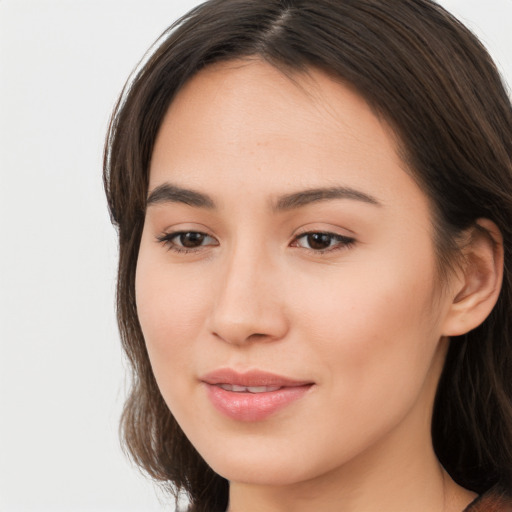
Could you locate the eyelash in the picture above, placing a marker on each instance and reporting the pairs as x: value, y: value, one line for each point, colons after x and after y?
x: 341, y: 242
x: 167, y: 239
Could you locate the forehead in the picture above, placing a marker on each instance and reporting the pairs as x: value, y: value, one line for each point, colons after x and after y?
x: 248, y: 124
x: 251, y: 100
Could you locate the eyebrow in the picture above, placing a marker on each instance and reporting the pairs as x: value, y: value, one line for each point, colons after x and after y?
x: 305, y: 197
x: 168, y: 193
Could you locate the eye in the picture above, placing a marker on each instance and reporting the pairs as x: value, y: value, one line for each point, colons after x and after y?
x: 322, y: 242
x: 186, y: 241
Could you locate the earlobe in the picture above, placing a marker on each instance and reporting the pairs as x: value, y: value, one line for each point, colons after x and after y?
x: 481, y: 277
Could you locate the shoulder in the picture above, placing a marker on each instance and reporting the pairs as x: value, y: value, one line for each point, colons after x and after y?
x: 494, y: 500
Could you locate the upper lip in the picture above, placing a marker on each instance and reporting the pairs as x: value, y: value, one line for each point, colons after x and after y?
x: 250, y: 378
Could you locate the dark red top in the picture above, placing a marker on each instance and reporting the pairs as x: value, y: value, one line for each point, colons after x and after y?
x: 492, y: 501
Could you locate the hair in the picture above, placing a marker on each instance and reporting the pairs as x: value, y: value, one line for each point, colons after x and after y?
x: 435, y: 84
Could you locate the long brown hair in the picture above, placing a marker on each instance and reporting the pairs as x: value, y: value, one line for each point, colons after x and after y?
x: 433, y: 81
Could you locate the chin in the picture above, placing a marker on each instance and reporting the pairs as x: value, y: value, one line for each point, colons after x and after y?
x: 261, y: 472
x: 258, y: 463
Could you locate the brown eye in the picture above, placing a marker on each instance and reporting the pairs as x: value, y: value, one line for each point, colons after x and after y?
x: 186, y: 241
x: 321, y: 242
x: 190, y: 239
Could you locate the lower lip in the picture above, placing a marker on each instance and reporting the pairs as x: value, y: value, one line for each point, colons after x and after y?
x: 253, y: 406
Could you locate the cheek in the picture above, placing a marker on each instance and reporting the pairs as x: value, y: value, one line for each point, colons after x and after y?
x: 171, y: 307
x: 171, y: 314
x: 375, y: 325
x: 375, y: 339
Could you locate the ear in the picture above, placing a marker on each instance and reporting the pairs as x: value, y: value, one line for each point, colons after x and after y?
x: 479, y: 280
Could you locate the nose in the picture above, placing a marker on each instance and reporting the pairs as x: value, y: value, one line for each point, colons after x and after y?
x: 248, y: 304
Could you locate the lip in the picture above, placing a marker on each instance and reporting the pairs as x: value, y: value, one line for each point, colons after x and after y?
x: 247, y: 406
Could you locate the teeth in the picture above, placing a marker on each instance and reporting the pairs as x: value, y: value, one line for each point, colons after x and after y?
x: 248, y: 389
x: 262, y: 389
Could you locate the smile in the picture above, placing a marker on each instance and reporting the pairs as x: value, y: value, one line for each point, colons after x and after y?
x: 248, y: 389
x: 252, y: 396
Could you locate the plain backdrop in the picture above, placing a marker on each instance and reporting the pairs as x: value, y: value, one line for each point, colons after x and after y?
x: 62, y: 383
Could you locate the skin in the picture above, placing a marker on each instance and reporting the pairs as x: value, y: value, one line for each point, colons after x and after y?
x: 366, y: 321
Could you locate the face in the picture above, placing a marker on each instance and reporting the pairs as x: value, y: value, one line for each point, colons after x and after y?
x: 286, y: 280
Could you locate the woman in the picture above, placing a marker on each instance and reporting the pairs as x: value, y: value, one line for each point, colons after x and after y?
x: 313, y: 201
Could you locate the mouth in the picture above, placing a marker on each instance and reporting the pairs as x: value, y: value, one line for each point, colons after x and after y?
x: 248, y: 389
x: 252, y: 396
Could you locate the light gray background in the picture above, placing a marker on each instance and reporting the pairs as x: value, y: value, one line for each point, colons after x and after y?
x: 62, y: 64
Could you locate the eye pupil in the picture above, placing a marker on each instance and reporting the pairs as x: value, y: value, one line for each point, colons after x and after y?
x: 192, y: 239
x: 319, y: 240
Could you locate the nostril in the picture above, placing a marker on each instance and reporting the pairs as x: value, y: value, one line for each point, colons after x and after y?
x: 257, y: 335
x: 241, y: 338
